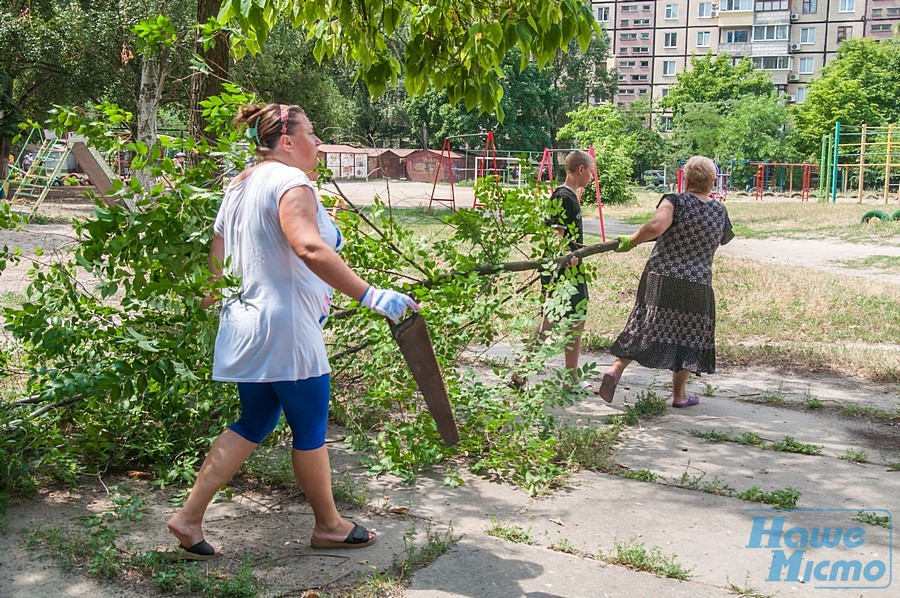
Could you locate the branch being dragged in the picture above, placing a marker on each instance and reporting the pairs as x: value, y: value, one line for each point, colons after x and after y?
x: 491, y: 269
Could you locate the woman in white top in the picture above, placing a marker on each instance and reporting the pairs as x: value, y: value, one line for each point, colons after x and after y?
x: 273, y: 234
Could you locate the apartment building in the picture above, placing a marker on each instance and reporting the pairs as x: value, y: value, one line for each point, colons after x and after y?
x: 653, y: 40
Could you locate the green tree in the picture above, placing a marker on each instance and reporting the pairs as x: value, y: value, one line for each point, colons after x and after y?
x: 457, y: 47
x: 860, y: 86
x: 714, y: 79
x: 606, y: 129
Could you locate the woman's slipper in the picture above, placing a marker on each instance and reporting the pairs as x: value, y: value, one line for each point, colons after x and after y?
x: 358, y: 538
x: 608, y: 387
x: 201, y: 551
x: 692, y: 400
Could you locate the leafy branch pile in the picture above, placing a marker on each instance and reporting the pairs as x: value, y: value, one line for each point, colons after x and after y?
x: 111, y: 350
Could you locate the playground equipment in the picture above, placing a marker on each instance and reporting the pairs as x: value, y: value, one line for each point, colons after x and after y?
x: 45, y: 172
x: 771, y: 175
x: 879, y: 215
x: 859, y: 158
x: 446, y: 153
x: 547, y: 162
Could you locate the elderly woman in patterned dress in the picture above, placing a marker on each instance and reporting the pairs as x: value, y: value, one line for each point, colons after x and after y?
x: 672, y: 325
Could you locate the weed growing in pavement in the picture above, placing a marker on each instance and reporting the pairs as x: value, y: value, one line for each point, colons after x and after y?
x: 711, y: 435
x: 588, y: 448
x: 347, y: 491
x: 855, y: 410
x: 715, y: 486
x: 641, y: 475
x: 397, y: 577
x: 635, y: 555
x: 790, y: 445
x: 895, y: 465
x: 708, y: 389
x: 855, y: 456
x: 780, y: 499
x: 773, y: 398
x: 510, y: 532
x: 751, y: 439
x: 746, y: 591
x: 565, y: 545
x: 648, y: 405
x: 873, y: 519
x: 187, y: 578
x: 812, y: 402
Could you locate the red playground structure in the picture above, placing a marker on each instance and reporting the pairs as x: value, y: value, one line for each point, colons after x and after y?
x: 489, y: 153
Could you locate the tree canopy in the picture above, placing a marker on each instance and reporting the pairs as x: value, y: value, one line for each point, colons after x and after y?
x: 456, y: 47
x: 860, y: 86
x: 714, y: 79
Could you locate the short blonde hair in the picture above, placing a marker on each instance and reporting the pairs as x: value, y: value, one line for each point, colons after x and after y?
x: 578, y: 158
x: 699, y: 175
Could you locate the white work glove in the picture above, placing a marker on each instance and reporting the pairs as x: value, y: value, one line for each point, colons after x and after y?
x: 388, y: 303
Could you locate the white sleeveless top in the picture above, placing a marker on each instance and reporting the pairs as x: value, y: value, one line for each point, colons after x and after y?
x: 270, y: 326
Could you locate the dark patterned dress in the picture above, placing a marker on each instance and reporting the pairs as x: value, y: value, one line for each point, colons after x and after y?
x: 673, y: 323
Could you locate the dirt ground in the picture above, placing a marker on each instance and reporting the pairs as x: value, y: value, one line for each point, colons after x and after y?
x: 274, y: 526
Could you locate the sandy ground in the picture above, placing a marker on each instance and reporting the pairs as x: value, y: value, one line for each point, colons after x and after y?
x: 592, y: 511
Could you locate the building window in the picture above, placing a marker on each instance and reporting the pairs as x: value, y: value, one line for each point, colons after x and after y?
x: 737, y: 36
x: 621, y: 77
x: 645, y: 36
x: 626, y: 64
x: 642, y: 91
x: 770, y: 5
x: 603, y: 14
x: 639, y: 77
x: 807, y: 35
x: 663, y: 92
x: 627, y: 92
x: 810, y: 7
x: 768, y: 33
x: 703, y: 39
x: 847, y: 6
x: 668, y: 68
x: 623, y: 23
x: 704, y: 10
x: 876, y: 12
x: 670, y: 40
x: 646, y: 7
x: 641, y: 50
x: 623, y: 50
x: 844, y: 33
x: 727, y: 5
x: 665, y: 123
x: 645, y: 63
x: 630, y: 8
x: 626, y: 36
x: 801, y: 95
x: 882, y: 27
x: 671, y: 11
x: 806, y: 66
x: 893, y: 12
x: 772, y: 63
x: 641, y: 21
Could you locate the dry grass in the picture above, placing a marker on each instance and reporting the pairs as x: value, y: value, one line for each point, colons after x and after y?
x: 777, y: 315
x: 787, y: 218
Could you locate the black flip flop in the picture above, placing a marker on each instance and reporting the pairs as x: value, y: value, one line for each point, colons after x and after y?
x: 358, y: 538
x: 201, y: 551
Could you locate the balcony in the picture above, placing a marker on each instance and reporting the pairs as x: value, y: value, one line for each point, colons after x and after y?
x: 772, y: 17
x: 735, y: 48
x: 736, y: 18
x: 778, y: 48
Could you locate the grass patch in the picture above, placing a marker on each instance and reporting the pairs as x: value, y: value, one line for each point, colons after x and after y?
x: 785, y: 498
x: 789, y: 444
x: 854, y: 456
x: 511, y: 533
x: 638, y: 219
x: 873, y: 519
x: 641, y: 475
x: 751, y: 439
x: 855, y: 410
x: 566, y: 546
x: 635, y: 555
x: 812, y: 402
x: 648, y: 405
x: 884, y: 263
x: 697, y: 484
x: 711, y: 435
x: 587, y: 448
x: 708, y: 389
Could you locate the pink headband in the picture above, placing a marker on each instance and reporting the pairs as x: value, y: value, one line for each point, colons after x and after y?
x: 284, y: 118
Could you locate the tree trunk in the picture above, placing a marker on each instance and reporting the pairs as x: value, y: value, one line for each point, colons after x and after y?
x: 5, y: 145
x: 154, y: 69
x: 204, y: 85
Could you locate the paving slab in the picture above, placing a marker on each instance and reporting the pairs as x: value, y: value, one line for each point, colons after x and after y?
x: 481, y: 566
